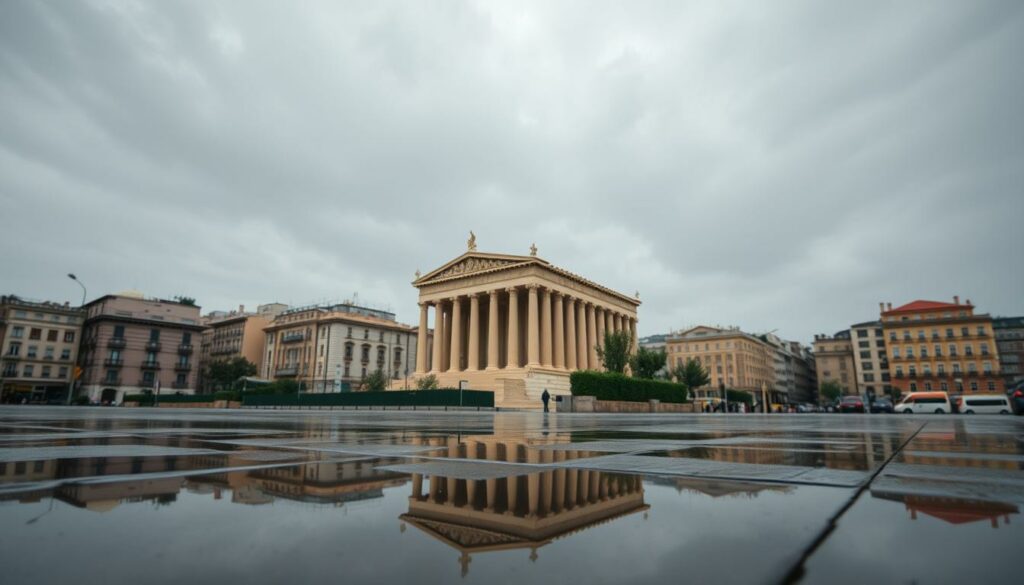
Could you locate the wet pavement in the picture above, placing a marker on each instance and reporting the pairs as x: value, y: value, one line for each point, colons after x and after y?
x: 95, y: 495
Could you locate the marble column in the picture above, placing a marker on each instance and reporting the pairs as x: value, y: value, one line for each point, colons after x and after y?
x: 609, y: 319
x: 600, y: 329
x: 474, y: 333
x: 545, y: 328
x: 532, y: 323
x: 435, y: 366
x: 512, y: 359
x: 558, y: 336
x: 633, y: 334
x: 421, y: 341
x: 446, y: 339
x: 570, y: 333
x: 591, y: 336
x: 582, y: 354
x: 492, y: 332
x: 455, y: 357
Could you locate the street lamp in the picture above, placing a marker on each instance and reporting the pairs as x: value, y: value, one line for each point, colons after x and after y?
x: 79, y: 282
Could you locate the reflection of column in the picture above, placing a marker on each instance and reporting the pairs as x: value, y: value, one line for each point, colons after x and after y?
x: 581, y: 337
x: 435, y: 489
x: 583, y: 494
x: 492, y: 483
x: 421, y: 341
x: 417, y: 485
x: 532, y: 322
x: 595, y: 480
x: 571, y: 490
x: 532, y: 483
x: 570, y: 333
x: 492, y: 332
x: 558, y: 337
x: 603, y: 487
x: 559, y: 491
x: 455, y: 358
x: 591, y: 337
x: 545, y: 328
x: 474, y: 332
x: 435, y: 365
x: 546, y: 481
x: 512, y: 361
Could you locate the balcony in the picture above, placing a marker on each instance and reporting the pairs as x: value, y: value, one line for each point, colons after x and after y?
x: 89, y: 342
x: 116, y: 342
x: 898, y: 375
x: 222, y: 351
x: 179, y: 385
x: 152, y: 346
x: 110, y: 382
x: 113, y: 362
x: 146, y: 384
x: 9, y: 374
x: 182, y: 367
x: 292, y: 337
x: 185, y: 349
x: 287, y: 371
x: 150, y: 365
x: 12, y: 356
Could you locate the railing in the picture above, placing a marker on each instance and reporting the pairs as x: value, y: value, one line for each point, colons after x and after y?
x: 146, y: 384
x: 152, y: 346
x: 287, y: 371
x: 292, y: 337
x: 150, y: 365
x: 185, y: 348
x: 182, y: 367
x: 116, y: 342
x: 113, y: 363
x: 110, y: 382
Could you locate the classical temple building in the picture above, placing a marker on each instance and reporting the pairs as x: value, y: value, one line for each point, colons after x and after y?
x: 515, y: 324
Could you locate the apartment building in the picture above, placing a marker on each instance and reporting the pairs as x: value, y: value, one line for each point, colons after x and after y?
x: 236, y: 334
x: 805, y: 384
x: 833, y: 356
x: 333, y: 347
x: 38, y: 348
x: 1009, y: 333
x: 941, y: 346
x: 870, y: 359
x: 738, y: 360
x: 133, y: 344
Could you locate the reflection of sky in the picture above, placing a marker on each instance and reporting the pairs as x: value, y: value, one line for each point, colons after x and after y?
x: 200, y: 539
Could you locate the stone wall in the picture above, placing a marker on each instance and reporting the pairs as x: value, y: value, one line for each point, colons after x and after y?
x: 590, y: 404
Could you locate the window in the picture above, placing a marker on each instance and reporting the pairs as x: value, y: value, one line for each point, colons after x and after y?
x: 864, y: 344
x: 910, y: 352
x: 63, y: 372
x: 148, y: 377
x: 111, y: 377
x: 364, y: 371
x: 862, y: 333
x: 31, y: 353
x: 118, y: 331
x: 869, y: 377
x: 17, y: 332
x: 964, y: 332
x: 938, y: 350
x: 984, y: 349
x: 942, y: 369
x: 991, y: 385
x: 928, y: 386
x: 987, y: 367
x: 154, y: 335
x: 956, y: 368
x: 952, y: 350
x: 180, y: 380
x: 968, y: 349
x: 35, y: 334
x: 920, y: 335
x: 48, y: 352
x: 981, y: 330
x: 895, y: 352
x: 46, y: 371
x: 974, y: 386
x: 150, y: 357
x: 186, y: 338
x: 869, y: 366
x: 366, y: 335
x: 347, y: 370
x: 924, y: 351
x: 949, y: 333
x: 913, y: 387
x: 972, y: 368
x: 892, y: 336
x: 913, y: 371
x: 69, y: 337
x: 51, y: 335
x: 29, y: 370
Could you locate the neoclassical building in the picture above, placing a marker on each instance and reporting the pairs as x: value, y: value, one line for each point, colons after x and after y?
x: 515, y: 324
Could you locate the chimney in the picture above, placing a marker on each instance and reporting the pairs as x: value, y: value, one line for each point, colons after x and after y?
x: 968, y: 302
x: 241, y: 308
x: 956, y: 299
x: 888, y: 306
x: 881, y: 307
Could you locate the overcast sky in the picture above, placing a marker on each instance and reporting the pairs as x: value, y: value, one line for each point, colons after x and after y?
x: 773, y: 165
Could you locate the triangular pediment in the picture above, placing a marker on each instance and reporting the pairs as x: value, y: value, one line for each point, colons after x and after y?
x: 474, y: 263
x: 699, y: 331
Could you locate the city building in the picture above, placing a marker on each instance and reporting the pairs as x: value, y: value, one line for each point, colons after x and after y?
x: 833, y: 357
x: 516, y: 325
x: 333, y: 347
x: 1009, y: 333
x: 236, y: 334
x: 738, y: 360
x: 870, y: 359
x: 38, y: 349
x: 805, y: 374
x: 132, y: 344
x: 941, y: 346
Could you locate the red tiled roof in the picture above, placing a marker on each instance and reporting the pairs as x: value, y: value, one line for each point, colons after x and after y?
x: 920, y: 305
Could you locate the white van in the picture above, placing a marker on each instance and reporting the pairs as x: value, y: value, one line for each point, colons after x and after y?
x: 984, y: 404
x: 924, y: 403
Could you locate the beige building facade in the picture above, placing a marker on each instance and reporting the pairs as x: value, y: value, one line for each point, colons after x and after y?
x: 516, y: 325
x: 738, y: 360
x: 236, y: 334
x: 833, y: 356
x: 38, y: 349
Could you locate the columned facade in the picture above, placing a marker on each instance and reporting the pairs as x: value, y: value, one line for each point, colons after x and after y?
x: 515, y: 325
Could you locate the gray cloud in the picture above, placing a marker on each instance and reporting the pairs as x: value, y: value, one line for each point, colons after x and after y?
x: 784, y: 166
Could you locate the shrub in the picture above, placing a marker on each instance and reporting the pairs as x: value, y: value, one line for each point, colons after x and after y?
x: 428, y: 382
x: 142, y: 399
x: 615, y: 386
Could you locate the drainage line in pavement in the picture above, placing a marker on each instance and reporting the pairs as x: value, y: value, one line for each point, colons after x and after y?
x: 797, y: 572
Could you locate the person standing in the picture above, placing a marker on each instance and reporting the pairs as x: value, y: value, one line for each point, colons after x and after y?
x: 545, y: 397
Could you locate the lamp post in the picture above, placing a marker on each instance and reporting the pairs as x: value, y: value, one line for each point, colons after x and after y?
x: 79, y: 282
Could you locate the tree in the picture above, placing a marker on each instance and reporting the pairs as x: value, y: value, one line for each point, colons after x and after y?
x: 646, y: 363
x: 188, y: 301
x: 831, y: 390
x: 376, y: 381
x: 222, y: 374
x: 428, y: 382
x: 614, y: 354
x: 691, y: 374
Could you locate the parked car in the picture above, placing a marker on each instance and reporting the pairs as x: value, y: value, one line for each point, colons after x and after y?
x: 851, y: 404
x: 1016, y: 396
x: 984, y: 404
x: 924, y: 402
x: 882, y: 405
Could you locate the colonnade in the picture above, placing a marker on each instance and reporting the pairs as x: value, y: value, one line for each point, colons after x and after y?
x: 515, y: 327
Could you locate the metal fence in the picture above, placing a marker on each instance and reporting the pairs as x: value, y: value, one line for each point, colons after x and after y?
x: 404, y: 398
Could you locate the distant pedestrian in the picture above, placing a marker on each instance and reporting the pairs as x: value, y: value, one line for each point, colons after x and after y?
x: 545, y: 397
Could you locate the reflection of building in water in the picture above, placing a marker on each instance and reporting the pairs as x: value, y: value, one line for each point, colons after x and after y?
x: 524, y: 511
x: 954, y: 448
x: 326, y: 482
x: 102, y: 497
x: 952, y: 510
x: 717, y: 488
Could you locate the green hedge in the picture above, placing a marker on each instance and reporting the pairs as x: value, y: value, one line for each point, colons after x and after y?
x: 612, y: 386
x: 473, y: 398
x: 148, y: 399
x: 739, y: 396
